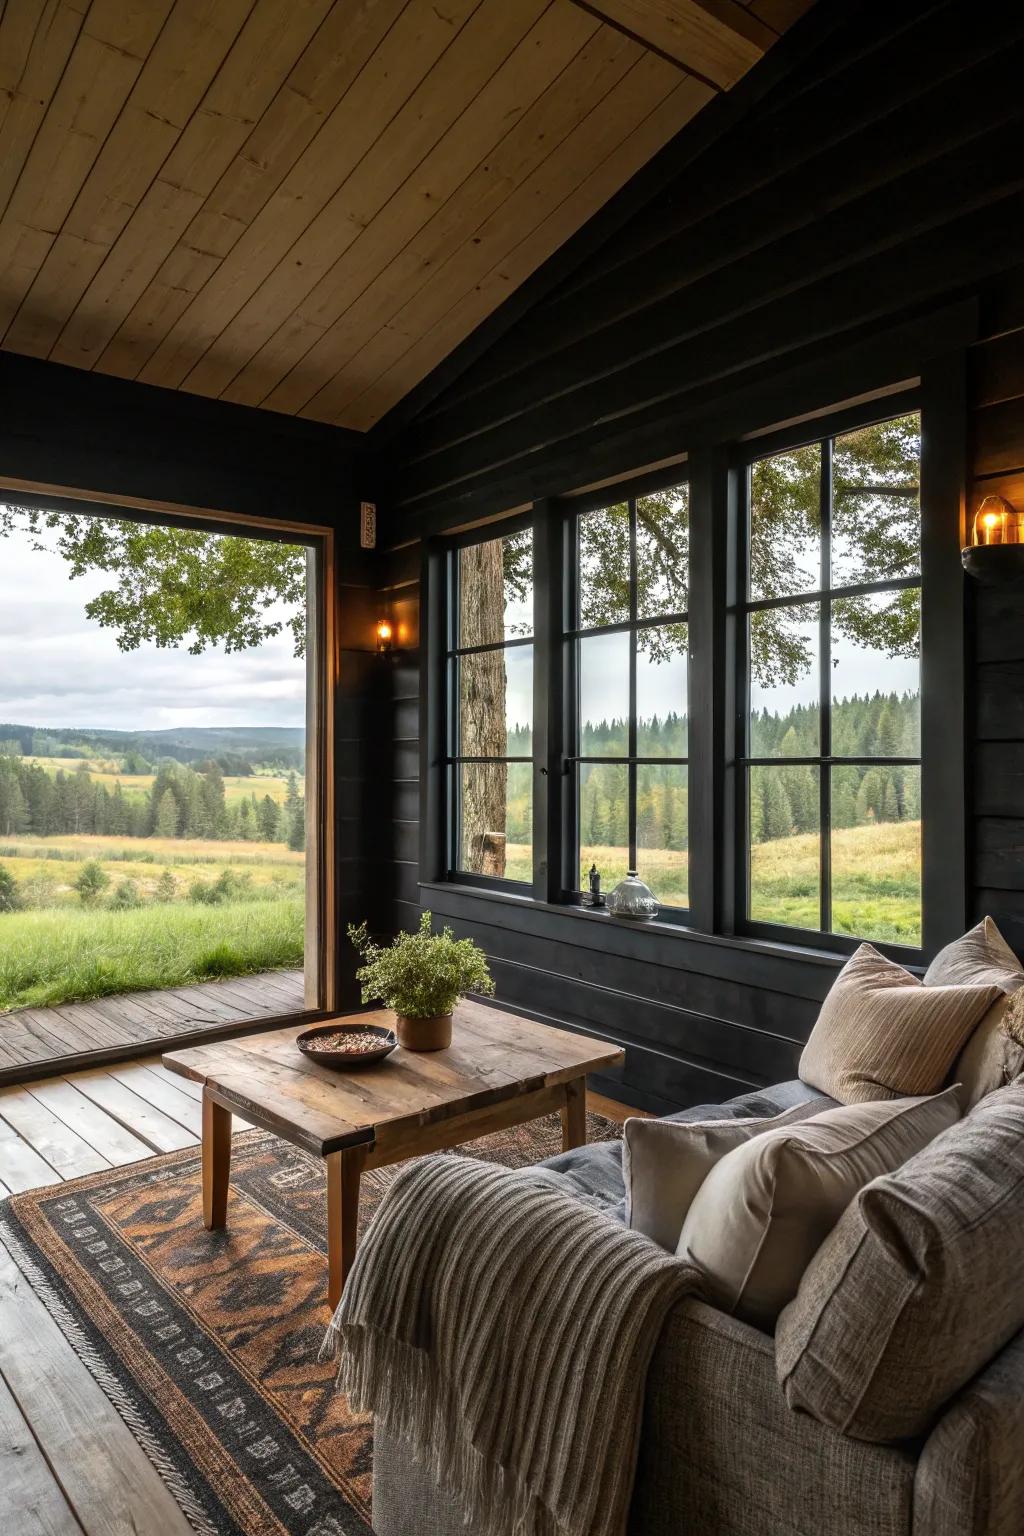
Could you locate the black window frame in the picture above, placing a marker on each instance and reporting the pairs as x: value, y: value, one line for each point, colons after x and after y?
x: 628, y: 492
x: 714, y: 468
x: 453, y: 652
x: 820, y: 432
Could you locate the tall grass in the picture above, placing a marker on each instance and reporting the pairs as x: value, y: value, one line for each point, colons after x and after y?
x: 57, y: 956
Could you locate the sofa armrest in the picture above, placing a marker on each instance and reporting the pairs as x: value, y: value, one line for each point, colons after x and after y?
x: 970, y: 1478
x: 721, y: 1451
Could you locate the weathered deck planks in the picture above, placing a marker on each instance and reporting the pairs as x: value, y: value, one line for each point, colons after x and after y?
x: 37, y: 1039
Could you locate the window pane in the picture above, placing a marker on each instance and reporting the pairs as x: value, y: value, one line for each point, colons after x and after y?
x: 661, y: 706
x: 496, y: 819
x: 496, y: 703
x: 784, y: 689
x: 662, y: 805
x: 496, y: 589
x: 785, y: 523
x: 604, y: 566
x: 876, y: 675
x: 604, y: 822
x: 662, y: 552
x: 876, y: 513
x: 604, y: 695
x: 876, y: 853
x: 785, y: 868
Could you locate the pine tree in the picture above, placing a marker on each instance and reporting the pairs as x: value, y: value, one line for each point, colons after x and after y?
x: 296, y: 823
x: 270, y: 819
x: 91, y: 881
x: 166, y: 815
x: 10, y: 899
x: 166, y: 887
x: 778, y: 814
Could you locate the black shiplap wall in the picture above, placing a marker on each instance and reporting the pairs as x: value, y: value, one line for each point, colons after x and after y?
x: 878, y: 185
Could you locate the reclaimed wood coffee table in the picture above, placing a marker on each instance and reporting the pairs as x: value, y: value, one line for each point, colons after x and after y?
x: 500, y: 1070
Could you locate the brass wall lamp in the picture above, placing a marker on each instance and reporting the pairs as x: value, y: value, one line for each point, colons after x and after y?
x: 995, y: 554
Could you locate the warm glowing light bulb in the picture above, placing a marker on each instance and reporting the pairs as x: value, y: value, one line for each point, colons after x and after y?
x: 990, y: 519
x: 383, y: 635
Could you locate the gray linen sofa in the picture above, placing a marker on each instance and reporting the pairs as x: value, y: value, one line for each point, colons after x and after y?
x: 722, y: 1454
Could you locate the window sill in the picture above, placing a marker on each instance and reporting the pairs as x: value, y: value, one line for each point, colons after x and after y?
x: 825, y: 958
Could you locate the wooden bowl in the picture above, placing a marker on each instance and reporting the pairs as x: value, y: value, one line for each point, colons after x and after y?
x: 347, y: 1061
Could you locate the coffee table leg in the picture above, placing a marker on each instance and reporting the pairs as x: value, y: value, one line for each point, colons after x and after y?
x: 343, y: 1172
x: 216, y: 1162
x: 574, y: 1115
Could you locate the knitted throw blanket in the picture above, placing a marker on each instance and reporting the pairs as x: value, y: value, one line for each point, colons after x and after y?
x: 505, y: 1330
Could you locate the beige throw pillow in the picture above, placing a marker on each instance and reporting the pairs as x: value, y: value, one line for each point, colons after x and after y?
x: 991, y: 1058
x: 882, y: 1034
x: 664, y: 1163
x: 764, y: 1210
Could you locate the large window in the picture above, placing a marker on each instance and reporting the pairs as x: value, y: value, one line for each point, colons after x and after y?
x: 767, y: 603
x: 628, y: 639
x: 830, y: 652
x: 490, y: 708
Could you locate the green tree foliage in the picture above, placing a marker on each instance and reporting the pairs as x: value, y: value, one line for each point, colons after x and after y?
x: 166, y: 887
x: 166, y: 816
x: 10, y: 897
x: 90, y: 882
x: 170, y: 586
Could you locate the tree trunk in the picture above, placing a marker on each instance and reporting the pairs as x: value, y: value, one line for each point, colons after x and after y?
x: 482, y: 709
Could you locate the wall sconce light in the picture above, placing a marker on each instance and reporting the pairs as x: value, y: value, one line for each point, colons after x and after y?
x: 385, y: 635
x: 996, y: 552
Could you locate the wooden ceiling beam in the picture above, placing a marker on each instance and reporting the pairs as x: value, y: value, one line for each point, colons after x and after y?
x: 718, y: 40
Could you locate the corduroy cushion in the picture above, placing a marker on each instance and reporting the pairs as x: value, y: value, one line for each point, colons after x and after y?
x: 882, y: 1034
x: 982, y: 957
x: 918, y: 1287
x: 666, y: 1161
x: 765, y: 1208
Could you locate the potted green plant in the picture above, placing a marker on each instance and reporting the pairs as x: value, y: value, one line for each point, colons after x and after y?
x: 421, y: 976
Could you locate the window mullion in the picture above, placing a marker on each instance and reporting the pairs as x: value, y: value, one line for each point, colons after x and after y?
x: 632, y: 731
x: 825, y: 693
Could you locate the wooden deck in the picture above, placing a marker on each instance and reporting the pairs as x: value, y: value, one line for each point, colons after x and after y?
x: 70, y: 1466
x: 33, y: 1040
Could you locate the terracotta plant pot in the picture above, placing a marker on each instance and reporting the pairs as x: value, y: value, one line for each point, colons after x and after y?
x: 424, y: 1034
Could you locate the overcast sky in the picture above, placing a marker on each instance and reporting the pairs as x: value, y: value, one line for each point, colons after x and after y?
x: 62, y: 669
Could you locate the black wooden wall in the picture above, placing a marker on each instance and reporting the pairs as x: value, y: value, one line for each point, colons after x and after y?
x: 863, y: 217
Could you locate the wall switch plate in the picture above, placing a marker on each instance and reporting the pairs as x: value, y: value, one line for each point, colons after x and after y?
x: 368, y: 524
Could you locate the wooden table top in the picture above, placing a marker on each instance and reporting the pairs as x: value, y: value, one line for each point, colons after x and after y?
x: 494, y: 1056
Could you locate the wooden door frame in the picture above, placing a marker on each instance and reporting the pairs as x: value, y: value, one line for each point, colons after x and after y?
x: 322, y: 672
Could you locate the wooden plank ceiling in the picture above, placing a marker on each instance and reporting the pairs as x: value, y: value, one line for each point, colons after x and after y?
x: 306, y: 205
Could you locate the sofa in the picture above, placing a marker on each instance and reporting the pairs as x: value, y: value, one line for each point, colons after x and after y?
x: 723, y: 1453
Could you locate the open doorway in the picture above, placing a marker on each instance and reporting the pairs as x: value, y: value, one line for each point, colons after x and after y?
x: 161, y: 709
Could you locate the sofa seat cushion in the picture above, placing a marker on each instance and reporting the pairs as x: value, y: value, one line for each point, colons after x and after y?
x: 918, y: 1286
x: 594, y: 1172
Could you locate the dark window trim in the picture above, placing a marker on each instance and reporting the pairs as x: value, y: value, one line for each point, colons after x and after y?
x: 628, y: 492
x: 714, y: 833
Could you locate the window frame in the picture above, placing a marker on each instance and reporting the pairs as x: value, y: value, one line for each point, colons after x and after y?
x: 572, y: 633
x: 453, y: 652
x: 821, y: 432
x: 713, y: 466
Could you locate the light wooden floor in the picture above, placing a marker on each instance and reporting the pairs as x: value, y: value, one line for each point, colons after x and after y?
x: 32, y: 1038
x: 68, y: 1465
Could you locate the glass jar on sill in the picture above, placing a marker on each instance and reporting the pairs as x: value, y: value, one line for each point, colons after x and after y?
x: 633, y: 900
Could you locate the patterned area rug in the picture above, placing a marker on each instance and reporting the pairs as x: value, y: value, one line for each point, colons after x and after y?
x: 206, y: 1342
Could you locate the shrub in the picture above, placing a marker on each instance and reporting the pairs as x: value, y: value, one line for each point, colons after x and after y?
x: 166, y: 887
x: 10, y: 897
x: 227, y: 887
x: 90, y: 882
x: 421, y: 974
x: 126, y: 897
x: 39, y: 891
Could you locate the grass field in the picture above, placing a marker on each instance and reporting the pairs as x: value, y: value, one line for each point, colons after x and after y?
x: 54, y: 956
x: 55, y: 862
x: 136, y: 785
x: 876, y: 879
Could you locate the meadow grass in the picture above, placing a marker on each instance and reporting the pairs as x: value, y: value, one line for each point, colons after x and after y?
x: 876, y: 879
x: 268, y: 868
x: 148, y: 850
x: 61, y: 955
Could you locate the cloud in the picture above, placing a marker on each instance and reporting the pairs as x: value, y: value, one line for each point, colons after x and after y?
x: 60, y: 668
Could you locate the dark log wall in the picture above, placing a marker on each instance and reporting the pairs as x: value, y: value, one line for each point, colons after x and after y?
x: 81, y: 431
x: 863, y: 218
